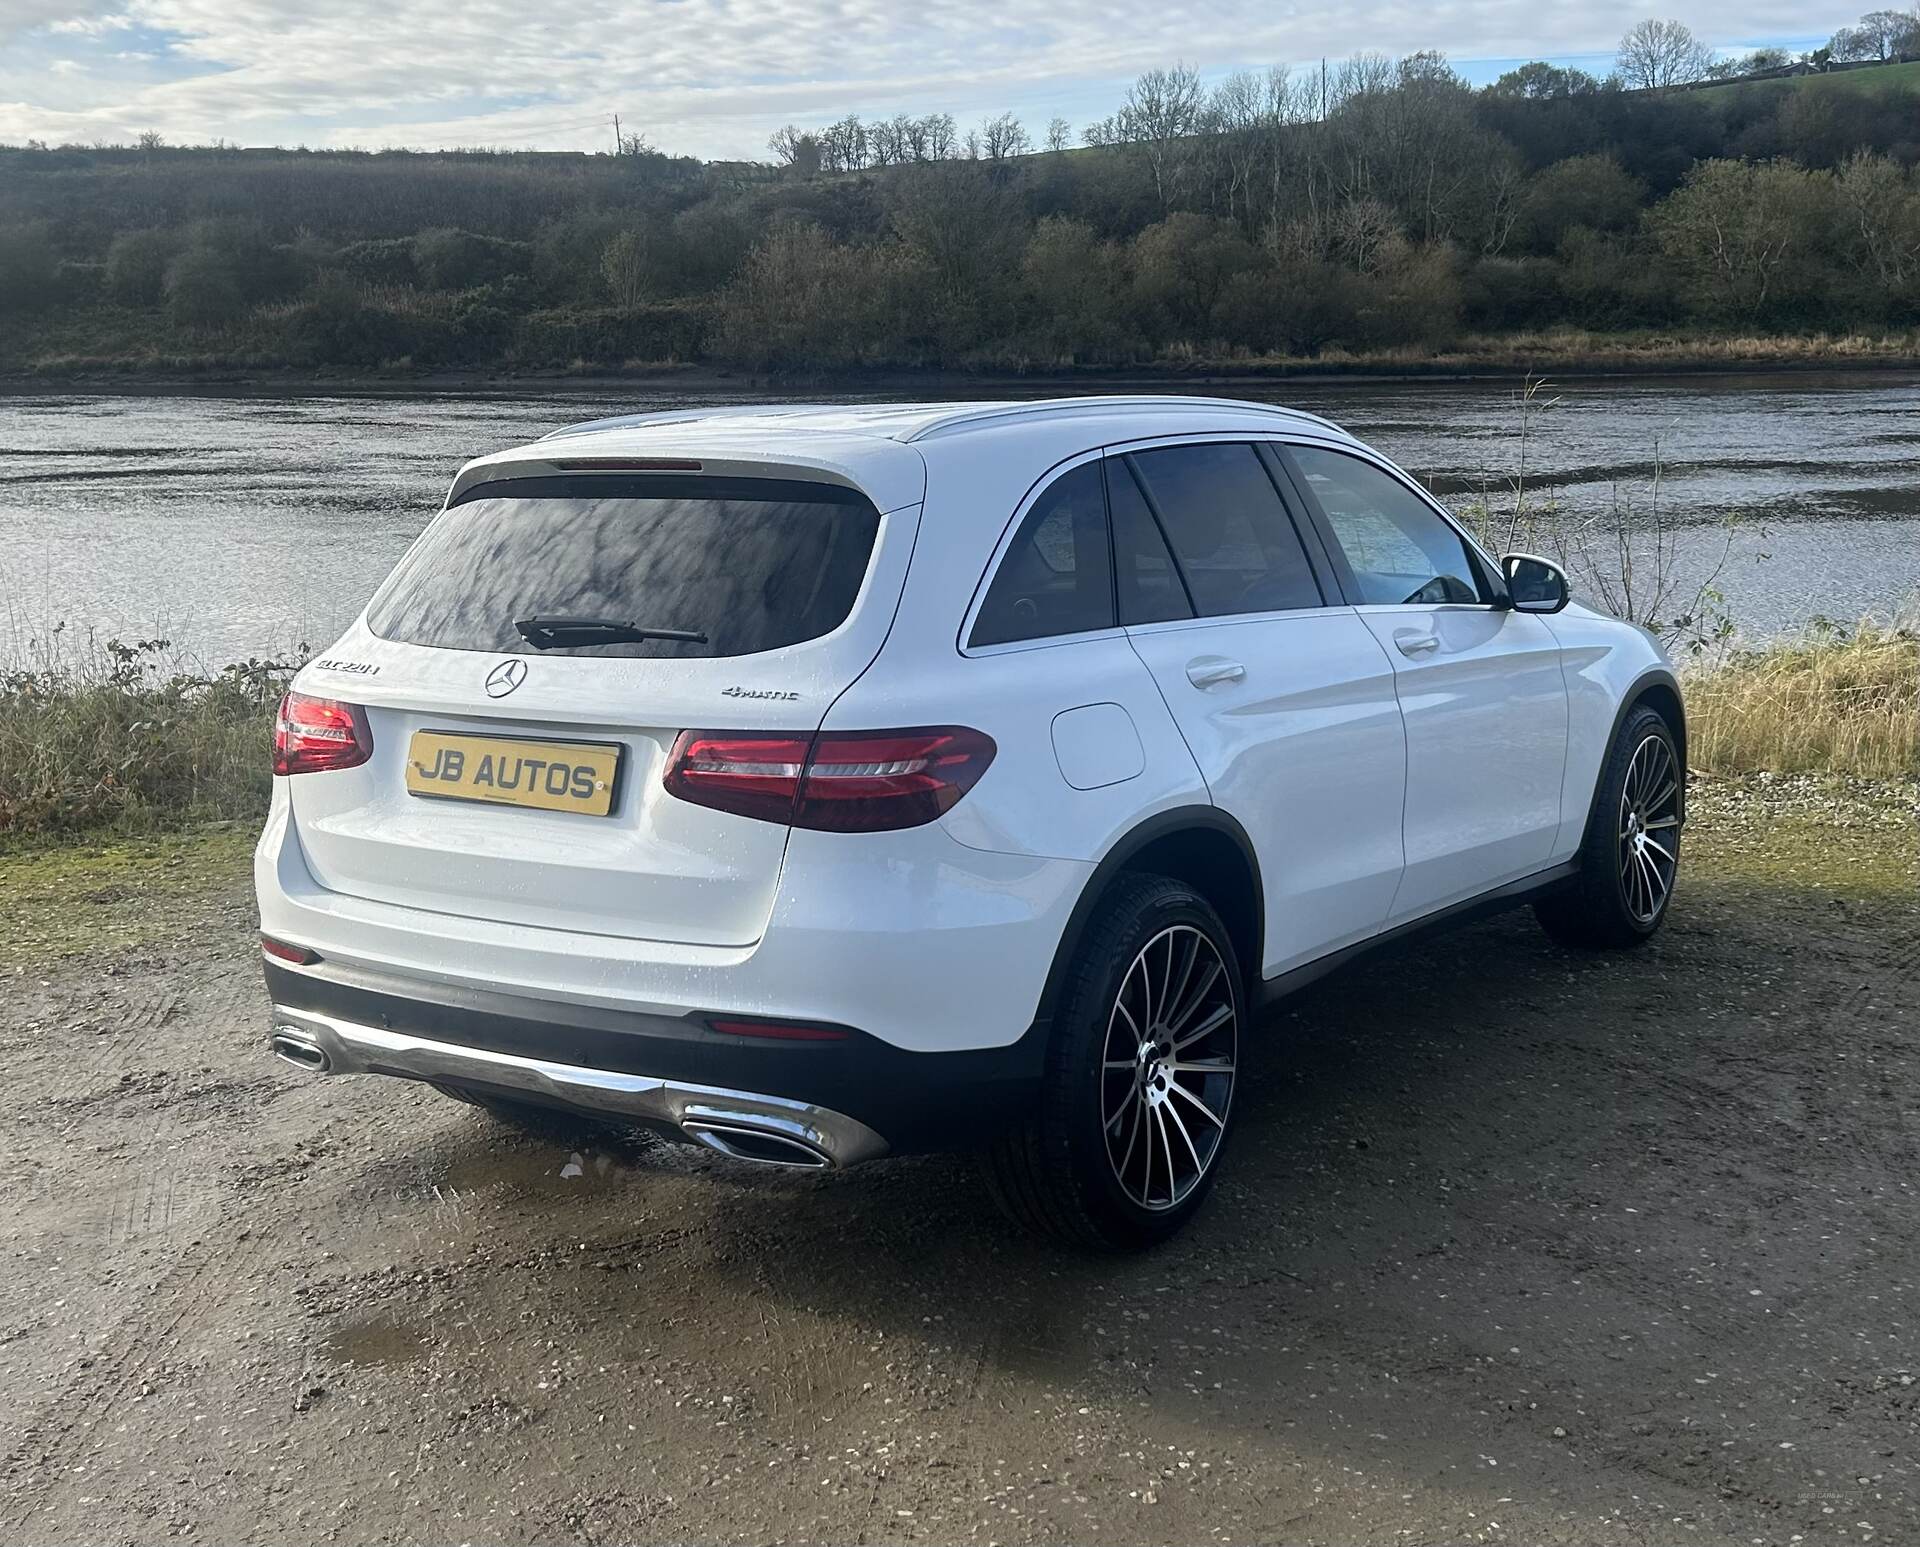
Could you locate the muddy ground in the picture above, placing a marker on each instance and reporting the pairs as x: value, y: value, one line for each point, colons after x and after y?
x: 1514, y: 1244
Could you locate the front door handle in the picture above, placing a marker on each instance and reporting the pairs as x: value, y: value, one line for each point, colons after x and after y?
x: 1210, y: 670
x: 1416, y: 644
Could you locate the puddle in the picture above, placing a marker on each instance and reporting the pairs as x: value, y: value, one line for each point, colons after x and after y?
x: 374, y: 1343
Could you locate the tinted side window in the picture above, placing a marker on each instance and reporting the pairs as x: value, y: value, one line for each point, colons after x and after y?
x: 1399, y: 549
x: 1150, y: 588
x: 1233, y: 539
x: 1056, y: 577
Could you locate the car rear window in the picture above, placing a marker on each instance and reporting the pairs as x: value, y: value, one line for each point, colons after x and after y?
x: 754, y: 564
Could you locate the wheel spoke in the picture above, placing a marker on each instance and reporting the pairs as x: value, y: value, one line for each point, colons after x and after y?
x: 1194, y: 1000
x: 1647, y: 881
x: 1667, y: 792
x: 1174, y: 1112
x: 1133, y: 1138
x: 1177, y: 996
x: 1665, y: 821
x: 1166, y: 1148
x: 1204, y: 1066
x: 1146, y: 1176
x: 1212, y: 1116
x: 1661, y: 849
x: 1221, y: 1015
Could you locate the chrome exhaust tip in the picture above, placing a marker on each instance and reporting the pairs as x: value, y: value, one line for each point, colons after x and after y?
x: 757, y: 1145
x: 294, y: 1046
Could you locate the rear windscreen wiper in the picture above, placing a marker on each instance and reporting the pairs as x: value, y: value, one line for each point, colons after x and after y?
x: 557, y: 633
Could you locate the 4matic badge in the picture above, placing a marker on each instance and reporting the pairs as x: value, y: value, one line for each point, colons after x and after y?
x: 786, y: 698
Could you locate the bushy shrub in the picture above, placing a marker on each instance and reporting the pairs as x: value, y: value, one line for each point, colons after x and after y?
x: 29, y: 269
x: 1504, y: 293
x: 804, y: 299
x: 1075, y: 295
x: 137, y: 266
x: 202, y: 289
x: 386, y: 261
x: 462, y: 260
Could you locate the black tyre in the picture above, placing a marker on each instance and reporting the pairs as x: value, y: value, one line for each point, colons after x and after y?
x: 1133, y: 1117
x: 1631, y: 856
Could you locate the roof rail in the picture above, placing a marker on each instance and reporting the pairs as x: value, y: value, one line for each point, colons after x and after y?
x: 964, y: 418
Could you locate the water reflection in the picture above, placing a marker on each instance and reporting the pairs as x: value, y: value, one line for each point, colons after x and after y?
x: 243, y: 525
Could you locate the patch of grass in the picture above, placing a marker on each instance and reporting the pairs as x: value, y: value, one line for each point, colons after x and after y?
x: 1839, y: 701
x: 1854, y: 839
x: 75, y: 899
x: 1877, y: 80
x: 111, y: 737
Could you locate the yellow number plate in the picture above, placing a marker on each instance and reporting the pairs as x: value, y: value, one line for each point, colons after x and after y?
x: 548, y: 775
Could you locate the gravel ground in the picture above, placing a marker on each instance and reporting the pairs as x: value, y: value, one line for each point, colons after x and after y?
x: 1513, y: 1244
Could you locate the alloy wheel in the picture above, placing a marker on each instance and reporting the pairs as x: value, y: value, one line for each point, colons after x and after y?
x: 1649, y: 829
x: 1166, y: 1077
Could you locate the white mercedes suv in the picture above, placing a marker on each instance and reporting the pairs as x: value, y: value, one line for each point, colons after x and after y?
x: 821, y: 783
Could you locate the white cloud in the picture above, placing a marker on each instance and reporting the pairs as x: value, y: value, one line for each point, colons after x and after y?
x: 714, y: 77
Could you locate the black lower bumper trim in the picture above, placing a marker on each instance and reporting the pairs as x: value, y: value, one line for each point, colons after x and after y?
x: 917, y: 1101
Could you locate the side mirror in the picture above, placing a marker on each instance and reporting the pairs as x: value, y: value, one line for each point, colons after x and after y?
x: 1535, y: 584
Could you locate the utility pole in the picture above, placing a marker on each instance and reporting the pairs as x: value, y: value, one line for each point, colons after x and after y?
x: 616, y: 134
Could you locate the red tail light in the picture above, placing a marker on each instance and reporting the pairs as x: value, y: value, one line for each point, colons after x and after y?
x: 837, y: 781
x: 312, y: 734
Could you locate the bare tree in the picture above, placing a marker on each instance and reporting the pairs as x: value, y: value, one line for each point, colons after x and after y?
x: 1160, y: 115
x: 1003, y: 136
x: 941, y: 137
x: 1059, y: 134
x: 784, y: 142
x: 1880, y: 35
x: 627, y: 265
x: 1662, y: 53
x: 890, y: 141
x: 843, y: 146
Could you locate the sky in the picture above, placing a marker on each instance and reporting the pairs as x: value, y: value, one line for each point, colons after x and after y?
x: 714, y: 78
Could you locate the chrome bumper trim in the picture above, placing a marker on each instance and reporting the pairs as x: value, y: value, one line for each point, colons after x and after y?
x: 346, y: 1047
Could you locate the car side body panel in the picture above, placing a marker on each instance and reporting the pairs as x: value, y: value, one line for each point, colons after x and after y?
x: 1607, y: 664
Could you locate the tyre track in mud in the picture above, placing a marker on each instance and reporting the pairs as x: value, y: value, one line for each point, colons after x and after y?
x: 1488, y: 1262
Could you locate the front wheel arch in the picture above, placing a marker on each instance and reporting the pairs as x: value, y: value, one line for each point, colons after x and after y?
x: 1659, y: 690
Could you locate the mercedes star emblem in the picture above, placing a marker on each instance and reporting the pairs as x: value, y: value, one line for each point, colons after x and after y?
x: 505, y: 677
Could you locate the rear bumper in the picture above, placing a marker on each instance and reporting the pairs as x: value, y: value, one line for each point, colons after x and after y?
x: 807, y: 1103
x: 923, y: 943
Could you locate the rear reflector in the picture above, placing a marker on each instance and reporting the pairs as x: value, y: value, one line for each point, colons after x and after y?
x: 836, y: 781
x: 299, y: 955
x: 311, y: 735
x: 779, y: 1031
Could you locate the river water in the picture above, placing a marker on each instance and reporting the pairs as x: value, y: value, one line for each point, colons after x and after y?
x: 238, y: 526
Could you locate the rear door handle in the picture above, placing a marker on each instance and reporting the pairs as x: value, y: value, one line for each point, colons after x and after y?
x: 1210, y: 670
x: 1416, y: 644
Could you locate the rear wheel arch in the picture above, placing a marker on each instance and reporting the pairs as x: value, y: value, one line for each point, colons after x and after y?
x: 1200, y: 845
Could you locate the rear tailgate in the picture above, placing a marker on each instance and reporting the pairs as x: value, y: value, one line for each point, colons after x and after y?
x: 606, y: 850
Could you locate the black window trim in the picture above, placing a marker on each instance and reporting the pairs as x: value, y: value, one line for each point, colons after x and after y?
x: 1487, y: 571
x: 964, y: 639
x: 1324, y: 581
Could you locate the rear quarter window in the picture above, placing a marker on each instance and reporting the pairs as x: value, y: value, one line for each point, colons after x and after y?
x: 754, y: 564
